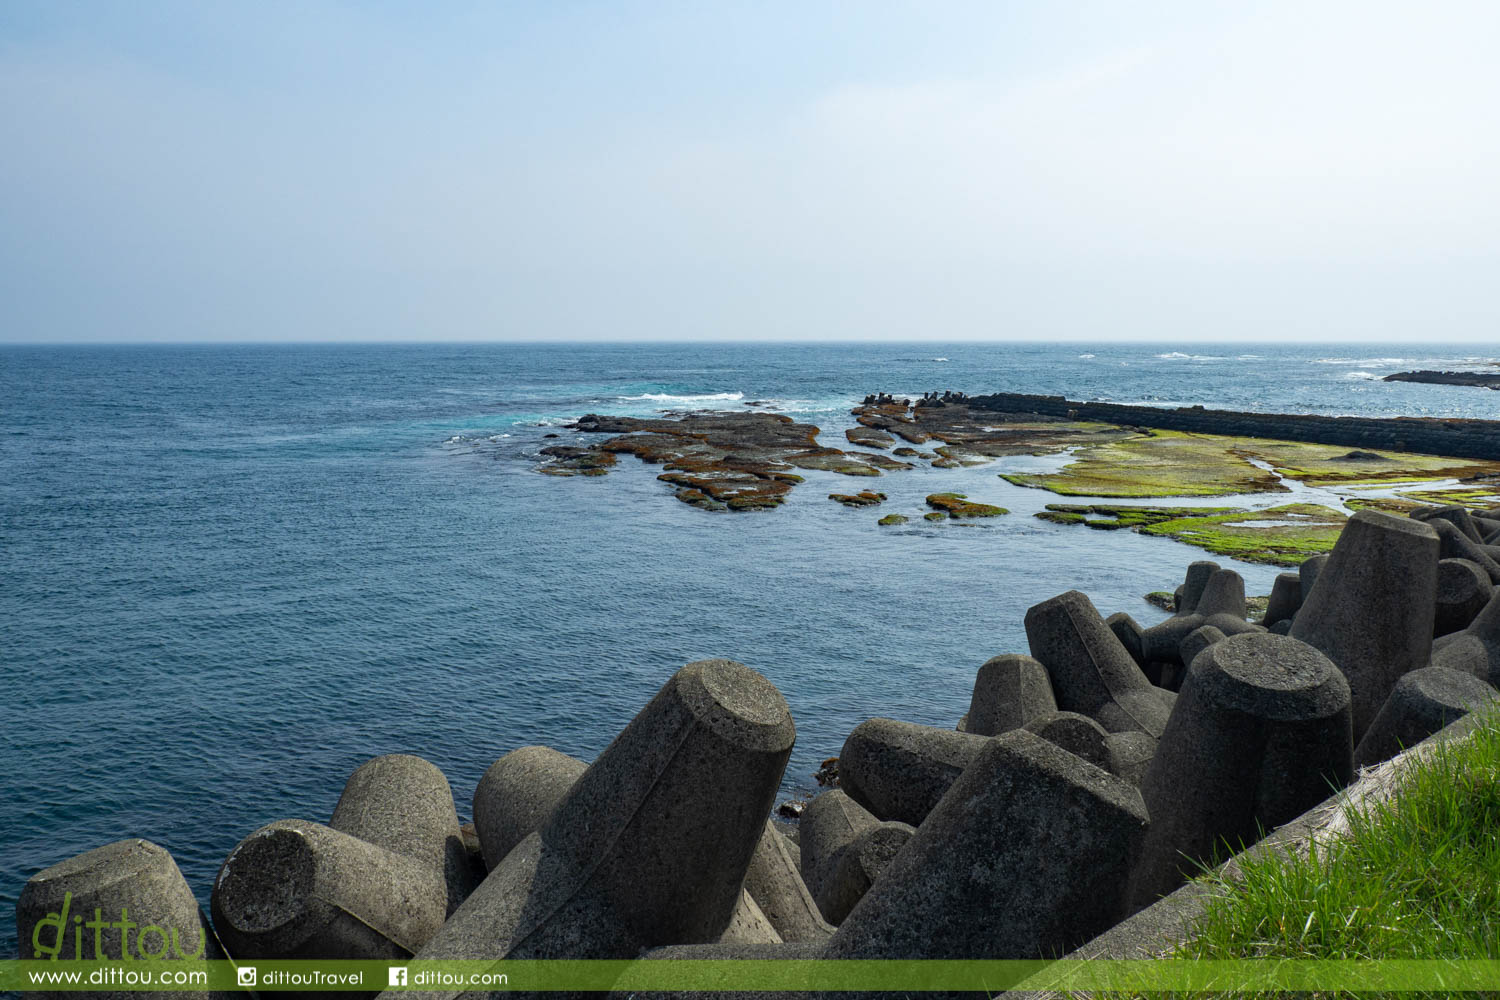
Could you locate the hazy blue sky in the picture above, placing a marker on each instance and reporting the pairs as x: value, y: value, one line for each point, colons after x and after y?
x: 326, y: 171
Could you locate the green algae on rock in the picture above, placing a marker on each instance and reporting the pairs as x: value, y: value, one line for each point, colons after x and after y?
x: 891, y: 519
x: 1176, y: 463
x: 959, y: 505
x: 1279, y: 536
x: 1111, y: 517
x: 864, y: 498
x: 936, y: 515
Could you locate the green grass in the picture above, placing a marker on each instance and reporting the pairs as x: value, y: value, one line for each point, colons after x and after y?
x: 1417, y: 877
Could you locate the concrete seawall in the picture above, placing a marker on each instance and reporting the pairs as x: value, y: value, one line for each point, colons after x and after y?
x: 1456, y: 438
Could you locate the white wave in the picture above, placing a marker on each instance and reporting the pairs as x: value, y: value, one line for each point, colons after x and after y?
x: 666, y: 397
x: 1366, y: 376
x: 1179, y: 356
x: 1249, y: 357
x: 1173, y: 356
x: 937, y: 359
x: 1359, y: 361
x: 1084, y: 357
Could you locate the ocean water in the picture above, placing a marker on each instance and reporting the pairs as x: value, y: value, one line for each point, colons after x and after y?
x: 229, y: 575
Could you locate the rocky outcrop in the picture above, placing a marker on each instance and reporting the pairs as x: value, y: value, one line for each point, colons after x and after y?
x: 716, y: 461
x: 1484, y: 380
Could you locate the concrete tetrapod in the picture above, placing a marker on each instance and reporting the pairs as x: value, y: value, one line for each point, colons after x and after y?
x: 1131, y: 635
x: 1463, y: 589
x: 850, y: 873
x: 1475, y: 650
x: 1077, y: 734
x: 405, y: 805
x: 1421, y: 703
x: 651, y: 845
x: 1454, y: 544
x: 517, y: 794
x: 899, y: 770
x: 748, y: 925
x: 1197, y: 577
x: 1198, y: 640
x: 1027, y: 856
x: 774, y: 880
x: 1457, y: 516
x: 1224, y: 594
x: 1129, y: 755
x: 1307, y: 573
x: 1261, y: 732
x: 1286, y: 598
x: 1092, y: 674
x: 1372, y: 607
x: 1009, y: 692
x: 130, y: 903
x: 831, y: 822
x: 294, y: 889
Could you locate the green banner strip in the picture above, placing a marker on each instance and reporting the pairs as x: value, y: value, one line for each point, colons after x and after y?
x: 447, y: 977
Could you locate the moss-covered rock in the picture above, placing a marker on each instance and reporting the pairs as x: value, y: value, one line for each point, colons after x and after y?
x: 959, y: 505
x: 1281, y: 536
x: 936, y: 515
x: 891, y: 519
x: 1162, y: 599
x: 864, y: 498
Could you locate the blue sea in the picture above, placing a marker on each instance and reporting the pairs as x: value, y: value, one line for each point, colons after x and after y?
x: 230, y: 574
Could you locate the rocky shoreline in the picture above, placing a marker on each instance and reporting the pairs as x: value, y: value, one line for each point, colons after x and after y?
x: 1088, y: 778
x: 1483, y: 380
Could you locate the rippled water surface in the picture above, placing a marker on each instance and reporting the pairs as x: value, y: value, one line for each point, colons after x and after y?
x: 228, y: 575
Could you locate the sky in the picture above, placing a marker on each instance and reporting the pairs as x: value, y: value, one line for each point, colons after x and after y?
x: 553, y: 171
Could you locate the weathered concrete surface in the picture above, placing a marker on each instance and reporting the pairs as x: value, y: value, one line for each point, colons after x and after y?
x: 1286, y: 598
x: 1026, y: 856
x: 1223, y: 594
x: 1371, y: 610
x: 1193, y: 583
x: 294, y: 889
x: 1129, y: 755
x: 1131, y: 635
x: 1077, y: 734
x: 1463, y: 589
x: 850, y: 872
x: 830, y: 823
x: 1260, y: 733
x: 1198, y: 640
x: 1454, y: 544
x: 1092, y: 673
x: 1421, y: 703
x: 516, y: 795
x: 132, y: 886
x: 405, y: 805
x: 774, y: 880
x: 748, y: 925
x: 1009, y: 692
x: 899, y: 770
x: 1475, y: 650
x: 651, y: 845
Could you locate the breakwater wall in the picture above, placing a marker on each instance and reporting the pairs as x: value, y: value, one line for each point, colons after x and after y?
x: 1428, y: 435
